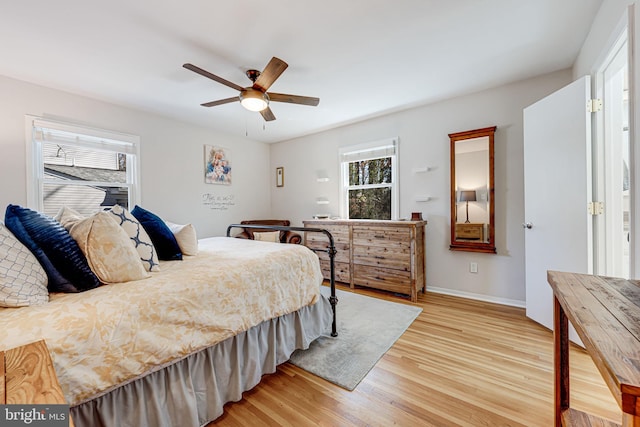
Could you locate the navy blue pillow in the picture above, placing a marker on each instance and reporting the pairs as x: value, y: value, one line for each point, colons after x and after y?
x: 60, y: 256
x: 161, y: 236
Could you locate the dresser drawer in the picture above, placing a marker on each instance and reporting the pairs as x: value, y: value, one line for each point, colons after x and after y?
x: 389, y: 237
x: 342, y: 251
x: 382, y: 278
x: 341, y: 271
x: 341, y: 241
x: 397, y: 258
x: 340, y: 233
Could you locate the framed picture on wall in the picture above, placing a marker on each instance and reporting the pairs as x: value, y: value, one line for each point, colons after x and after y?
x: 217, y: 165
x: 280, y: 177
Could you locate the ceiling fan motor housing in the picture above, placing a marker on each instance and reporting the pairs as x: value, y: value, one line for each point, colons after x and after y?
x: 253, y: 75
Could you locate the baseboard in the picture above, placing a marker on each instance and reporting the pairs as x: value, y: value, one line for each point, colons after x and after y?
x: 479, y: 297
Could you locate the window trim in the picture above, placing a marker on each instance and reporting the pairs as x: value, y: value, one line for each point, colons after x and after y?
x: 35, y: 169
x: 387, y: 147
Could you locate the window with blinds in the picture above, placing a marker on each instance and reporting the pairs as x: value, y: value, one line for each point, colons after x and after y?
x: 83, y: 168
x: 369, y: 180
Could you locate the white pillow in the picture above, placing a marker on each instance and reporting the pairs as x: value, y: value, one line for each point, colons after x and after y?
x: 107, y: 247
x: 23, y: 281
x: 138, y: 236
x: 267, y: 236
x: 186, y: 237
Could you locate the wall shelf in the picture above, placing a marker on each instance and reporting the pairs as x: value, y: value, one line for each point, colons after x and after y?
x: 423, y: 199
x: 423, y: 169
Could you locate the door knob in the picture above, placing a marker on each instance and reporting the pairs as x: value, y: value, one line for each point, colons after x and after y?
x: 527, y: 225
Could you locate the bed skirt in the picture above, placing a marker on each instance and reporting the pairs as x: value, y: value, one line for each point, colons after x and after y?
x: 193, y: 390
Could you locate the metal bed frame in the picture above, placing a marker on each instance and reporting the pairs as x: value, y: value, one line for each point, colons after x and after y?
x: 331, y: 250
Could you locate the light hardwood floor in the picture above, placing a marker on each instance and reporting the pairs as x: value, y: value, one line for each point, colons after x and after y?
x: 461, y: 363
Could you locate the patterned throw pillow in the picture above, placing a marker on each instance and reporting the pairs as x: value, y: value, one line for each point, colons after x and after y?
x: 23, y: 282
x: 138, y: 236
x: 63, y: 261
x: 163, y: 239
x: 186, y: 237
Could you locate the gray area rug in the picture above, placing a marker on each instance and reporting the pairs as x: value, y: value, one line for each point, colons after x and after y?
x: 367, y: 328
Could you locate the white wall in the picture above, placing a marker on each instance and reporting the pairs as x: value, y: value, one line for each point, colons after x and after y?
x: 604, y: 30
x: 424, y: 142
x: 171, y: 153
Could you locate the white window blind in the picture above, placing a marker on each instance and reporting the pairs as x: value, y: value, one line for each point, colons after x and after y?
x: 369, y: 150
x: 94, y: 139
x: 81, y: 167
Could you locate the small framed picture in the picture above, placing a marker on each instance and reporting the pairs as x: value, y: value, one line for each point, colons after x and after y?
x: 280, y: 177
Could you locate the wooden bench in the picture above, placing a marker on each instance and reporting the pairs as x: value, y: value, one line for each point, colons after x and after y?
x: 27, y: 377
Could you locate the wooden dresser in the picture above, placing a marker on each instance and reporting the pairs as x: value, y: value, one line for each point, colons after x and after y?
x: 387, y: 255
x: 605, y: 312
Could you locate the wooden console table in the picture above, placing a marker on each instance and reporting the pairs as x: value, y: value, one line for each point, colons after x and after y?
x: 605, y: 312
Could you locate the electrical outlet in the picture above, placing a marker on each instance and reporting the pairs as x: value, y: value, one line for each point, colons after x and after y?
x: 473, y: 267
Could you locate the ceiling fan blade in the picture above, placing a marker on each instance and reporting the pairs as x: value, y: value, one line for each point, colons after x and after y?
x: 271, y: 72
x: 267, y: 114
x: 220, y: 102
x: 293, y: 99
x: 213, y: 77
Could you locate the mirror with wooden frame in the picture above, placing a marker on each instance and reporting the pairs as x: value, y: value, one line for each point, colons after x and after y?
x: 472, y: 191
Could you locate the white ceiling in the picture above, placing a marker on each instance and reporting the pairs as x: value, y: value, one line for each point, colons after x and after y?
x: 362, y: 58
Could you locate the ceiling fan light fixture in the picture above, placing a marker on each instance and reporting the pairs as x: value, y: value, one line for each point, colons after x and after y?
x: 254, y: 100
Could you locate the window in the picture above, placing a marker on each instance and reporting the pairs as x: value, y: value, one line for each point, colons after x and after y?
x: 85, y: 169
x: 370, y: 180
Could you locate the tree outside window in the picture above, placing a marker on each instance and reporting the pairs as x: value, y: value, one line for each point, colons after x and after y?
x: 369, y: 180
x: 370, y: 189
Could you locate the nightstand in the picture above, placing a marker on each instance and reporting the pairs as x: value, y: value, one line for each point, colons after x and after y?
x: 470, y: 231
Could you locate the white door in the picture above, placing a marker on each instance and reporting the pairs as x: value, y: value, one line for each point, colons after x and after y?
x: 557, y: 188
x: 613, y: 168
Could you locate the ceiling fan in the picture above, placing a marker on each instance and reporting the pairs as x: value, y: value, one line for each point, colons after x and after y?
x: 256, y: 97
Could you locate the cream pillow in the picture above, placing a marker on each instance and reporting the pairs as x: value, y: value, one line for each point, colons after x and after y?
x: 23, y: 281
x: 267, y: 236
x: 186, y: 237
x: 67, y: 216
x: 106, y: 246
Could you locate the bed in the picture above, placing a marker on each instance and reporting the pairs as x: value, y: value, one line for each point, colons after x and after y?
x: 172, y: 349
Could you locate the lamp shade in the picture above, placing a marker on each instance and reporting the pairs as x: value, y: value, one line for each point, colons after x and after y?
x: 254, y: 100
x: 468, y: 196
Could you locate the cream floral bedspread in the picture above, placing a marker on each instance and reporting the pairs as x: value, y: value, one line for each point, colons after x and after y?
x: 116, y: 333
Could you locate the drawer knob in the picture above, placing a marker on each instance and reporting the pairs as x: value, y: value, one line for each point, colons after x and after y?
x: 378, y: 236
